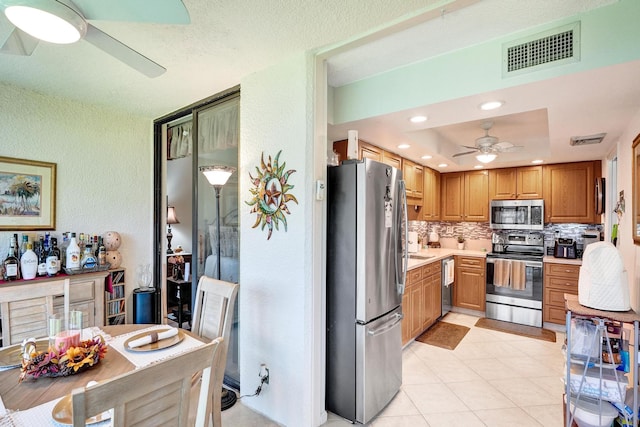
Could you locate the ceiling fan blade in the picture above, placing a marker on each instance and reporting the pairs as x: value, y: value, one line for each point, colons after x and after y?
x: 469, y: 147
x: 156, y: 11
x: 123, y: 52
x: 511, y: 149
x: 19, y: 43
x: 465, y: 153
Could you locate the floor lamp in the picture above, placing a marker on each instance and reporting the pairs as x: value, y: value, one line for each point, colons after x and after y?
x: 218, y: 177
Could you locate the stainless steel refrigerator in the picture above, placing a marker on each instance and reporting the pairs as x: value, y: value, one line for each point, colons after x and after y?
x: 366, y: 274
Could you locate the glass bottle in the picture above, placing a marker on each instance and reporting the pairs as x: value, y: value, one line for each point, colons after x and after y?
x: 88, y: 258
x: 29, y: 263
x: 11, y: 270
x: 51, y: 261
x: 57, y: 253
x: 42, y: 260
x: 102, y: 253
x: 23, y: 245
x: 73, y: 253
x: 63, y: 248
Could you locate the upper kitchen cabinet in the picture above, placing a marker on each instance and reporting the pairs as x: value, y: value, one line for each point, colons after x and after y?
x: 392, y: 159
x: 569, y: 190
x: 414, y: 180
x: 464, y: 196
x: 516, y: 183
x: 431, y: 195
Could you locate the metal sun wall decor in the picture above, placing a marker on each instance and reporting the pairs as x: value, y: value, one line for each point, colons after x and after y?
x: 270, y: 194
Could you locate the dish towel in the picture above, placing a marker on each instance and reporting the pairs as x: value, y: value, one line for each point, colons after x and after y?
x: 518, y: 275
x: 501, y: 272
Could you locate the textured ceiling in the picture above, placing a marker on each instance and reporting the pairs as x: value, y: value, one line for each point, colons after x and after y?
x: 226, y: 41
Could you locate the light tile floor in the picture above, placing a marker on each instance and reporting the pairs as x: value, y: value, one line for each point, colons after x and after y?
x: 491, y: 379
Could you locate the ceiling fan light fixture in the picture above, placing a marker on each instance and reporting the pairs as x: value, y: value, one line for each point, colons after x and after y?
x: 491, y: 105
x: 418, y: 119
x: 486, y: 157
x: 52, y: 22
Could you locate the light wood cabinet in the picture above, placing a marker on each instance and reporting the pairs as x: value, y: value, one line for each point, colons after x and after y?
x: 25, y: 305
x: 569, y: 190
x: 559, y: 279
x: 414, y: 180
x: 516, y: 183
x: 431, y: 294
x: 452, y: 196
x: 464, y: 196
x: 368, y: 151
x: 392, y: 159
x: 422, y: 300
x: 431, y: 195
x: 469, y: 286
x: 411, y: 301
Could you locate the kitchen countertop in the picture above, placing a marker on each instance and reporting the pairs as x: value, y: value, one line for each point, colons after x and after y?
x: 438, y: 254
x: 549, y: 258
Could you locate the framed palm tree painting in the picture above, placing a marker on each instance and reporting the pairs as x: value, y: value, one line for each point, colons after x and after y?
x: 27, y: 194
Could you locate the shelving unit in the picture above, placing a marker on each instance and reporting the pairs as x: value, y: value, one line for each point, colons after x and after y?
x: 115, y: 310
x: 575, y: 309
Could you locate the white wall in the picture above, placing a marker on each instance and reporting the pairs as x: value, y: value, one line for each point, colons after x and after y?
x: 630, y: 252
x: 276, y: 275
x: 179, y: 193
x: 104, y: 167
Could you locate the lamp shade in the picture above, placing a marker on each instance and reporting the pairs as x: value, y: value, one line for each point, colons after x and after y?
x: 486, y: 158
x: 172, y: 218
x: 50, y: 21
x: 217, y: 175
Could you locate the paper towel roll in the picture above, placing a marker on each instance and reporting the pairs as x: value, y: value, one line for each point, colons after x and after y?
x: 352, y: 145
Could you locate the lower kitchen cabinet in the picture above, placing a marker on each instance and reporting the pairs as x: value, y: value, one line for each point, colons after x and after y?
x: 422, y: 300
x: 559, y: 279
x: 469, y: 287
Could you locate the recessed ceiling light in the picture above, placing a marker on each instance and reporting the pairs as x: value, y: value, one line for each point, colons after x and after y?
x: 443, y: 165
x: 538, y: 161
x: 426, y: 157
x: 491, y: 105
x: 418, y: 119
x: 403, y: 146
x: 478, y: 167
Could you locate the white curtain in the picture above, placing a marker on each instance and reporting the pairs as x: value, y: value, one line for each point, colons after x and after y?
x: 218, y: 127
x: 180, y: 141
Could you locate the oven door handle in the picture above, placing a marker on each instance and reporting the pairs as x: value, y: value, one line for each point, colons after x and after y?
x: 534, y: 264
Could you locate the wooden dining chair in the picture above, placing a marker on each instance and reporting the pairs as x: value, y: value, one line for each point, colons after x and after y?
x: 158, y: 394
x: 213, y: 317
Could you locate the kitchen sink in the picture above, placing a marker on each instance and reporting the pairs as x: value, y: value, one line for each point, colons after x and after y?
x: 421, y: 256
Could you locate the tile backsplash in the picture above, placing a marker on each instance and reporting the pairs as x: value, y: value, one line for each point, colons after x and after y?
x: 482, y: 231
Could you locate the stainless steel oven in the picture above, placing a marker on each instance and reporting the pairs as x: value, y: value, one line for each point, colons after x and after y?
x: 514, y: 278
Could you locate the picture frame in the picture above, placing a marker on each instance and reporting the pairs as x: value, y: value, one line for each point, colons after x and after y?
x: 27, y: 194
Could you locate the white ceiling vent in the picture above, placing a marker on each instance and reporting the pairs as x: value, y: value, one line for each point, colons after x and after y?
x: 551, y: 48
x: 586, y: 140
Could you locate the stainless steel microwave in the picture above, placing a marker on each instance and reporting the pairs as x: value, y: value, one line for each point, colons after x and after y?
x: 517, y: 214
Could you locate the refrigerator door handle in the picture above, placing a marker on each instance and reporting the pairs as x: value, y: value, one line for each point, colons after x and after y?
x: 405, y: 255
x: 396, y: 318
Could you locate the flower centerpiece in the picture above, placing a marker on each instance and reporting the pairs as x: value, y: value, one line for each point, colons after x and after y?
x: 51, y: 363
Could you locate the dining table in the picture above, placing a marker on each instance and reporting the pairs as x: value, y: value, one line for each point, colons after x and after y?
x: 32, y: 393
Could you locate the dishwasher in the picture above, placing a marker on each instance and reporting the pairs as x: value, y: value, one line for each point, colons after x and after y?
x: 448, y: 268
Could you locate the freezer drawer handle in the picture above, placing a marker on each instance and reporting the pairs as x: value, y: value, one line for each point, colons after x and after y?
x: 397, y: 318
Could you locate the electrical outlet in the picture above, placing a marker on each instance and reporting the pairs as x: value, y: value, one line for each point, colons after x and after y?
x: 449, y: 229
x: 264, y: 373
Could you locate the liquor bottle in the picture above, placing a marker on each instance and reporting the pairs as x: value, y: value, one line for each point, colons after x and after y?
x: 73, y: 253
x: 11, y: 270
x: 29, y: 263
x: 42, y: 260
x: 56, y: 252
x: 51, y: 261
x: 16, y: 248
x: 23, y: 245
x: 63, y: 248
x: 102, y: 254
x: 88, y: 259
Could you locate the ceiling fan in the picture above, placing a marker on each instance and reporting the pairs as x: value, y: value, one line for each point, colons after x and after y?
x: 487, y: 146
x: 66, y: 21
